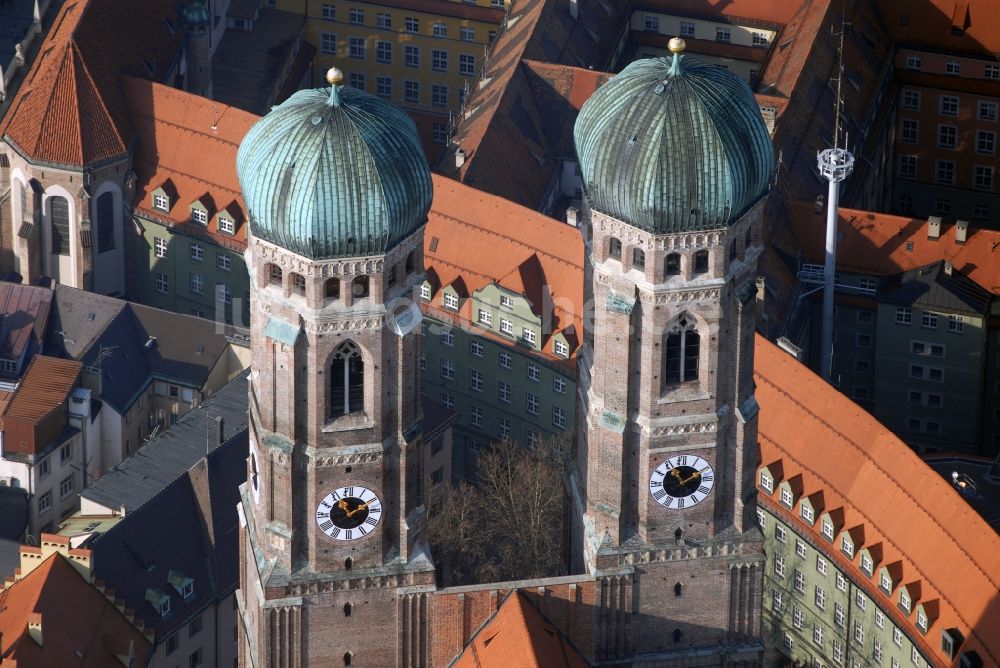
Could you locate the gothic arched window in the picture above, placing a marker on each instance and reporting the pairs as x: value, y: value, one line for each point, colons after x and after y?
x: 682, y: 351
x: 59, y: 219
x: 347, y: 380
x: 359, y: 288
x: 638, y: 258
x: 298, y: 284
x: 347, y: 609
x: 615, y: 248
x: 274, y: 274
x: 105, y: 222
x: 347, y: 658
x: 672, y: 265
x: 332, y: 288
x: 701, y: 262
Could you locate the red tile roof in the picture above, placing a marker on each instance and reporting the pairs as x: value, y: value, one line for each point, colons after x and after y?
x: 70, y: 109
x: 518, y: 635
x: 929, y: 23
x: 191, y: 142
x: 477, y: 239
x: 879, y: 483
x: 44, y: 388
x: 769, y: 11
x: 80, y: 627
x: 882, y: 244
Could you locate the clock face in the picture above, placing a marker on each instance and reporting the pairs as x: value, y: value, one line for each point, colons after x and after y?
x: 349, y: 513
x: 682, y: 481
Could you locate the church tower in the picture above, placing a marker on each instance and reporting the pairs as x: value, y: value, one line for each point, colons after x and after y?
x: 676, y: 162
x: 338, y: 191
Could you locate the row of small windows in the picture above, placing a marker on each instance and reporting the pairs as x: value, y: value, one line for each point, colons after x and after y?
x: 357, y: 48
x: 360, y: 285
x: 411, y: 24
x: 953, y: 67
x: 672, y: 262
x: 200, y: 216
x: 847, y: 546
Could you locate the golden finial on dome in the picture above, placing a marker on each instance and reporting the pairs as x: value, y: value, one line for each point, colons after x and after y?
x: 676, y: 45
x: 335, y: 77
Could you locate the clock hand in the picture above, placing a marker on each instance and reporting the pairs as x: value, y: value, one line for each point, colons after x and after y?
x: 677, y: 474
x: 358, y: 509
x: 696, y: 474
x: 343, y: 505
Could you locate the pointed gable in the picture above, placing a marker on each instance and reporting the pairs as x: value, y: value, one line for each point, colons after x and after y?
x: 518, y: 635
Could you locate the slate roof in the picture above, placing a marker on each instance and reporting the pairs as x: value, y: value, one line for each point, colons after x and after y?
x: 519, y: 635
x: 189, y: 525
x: 25, y: 313
x: 70, y: 109
x: 80, y: 627
x: 873, y: 479
x: 166, y: 457
x: 113, y: 334
x: 933, y: 288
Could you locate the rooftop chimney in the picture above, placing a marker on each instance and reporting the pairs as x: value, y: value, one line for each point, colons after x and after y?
x: 214, y: 433
x: 571, y: 216
x: 459, y: 158
x: 961, y: 231
x: 934, y: 227
x: 35, y: 627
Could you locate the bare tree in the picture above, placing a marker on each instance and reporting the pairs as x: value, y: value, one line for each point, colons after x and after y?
x: 510, y: 525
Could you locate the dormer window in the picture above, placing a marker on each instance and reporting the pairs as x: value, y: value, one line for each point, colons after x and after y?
x: 506, y: 302
x: 828, y: 529
x: 786, y: 496
x: 922, y: 621
x: 561, y: 348
x: 904, y: 600
x: 159, y: 601
x: 425, y: 292
x: 199, y: 216
x: 182, y: 584
x: 766, y: 481
x: 846, y: 546
x: 451, y: 301
x: 885, y: 582
x: 806, y: 512
x: 866, y: 564
x: 161, y: 202
x: 227, y: 225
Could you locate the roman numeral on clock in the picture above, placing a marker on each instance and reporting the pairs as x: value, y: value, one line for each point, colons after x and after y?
x: 372, y: 521
x: 680, y: 503
x: 659, y: 494
x: 704, y: 489
x: 326, y: 526
x: 656, y: 483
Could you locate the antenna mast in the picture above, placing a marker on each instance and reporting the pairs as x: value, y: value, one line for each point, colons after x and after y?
x: 835, y: 165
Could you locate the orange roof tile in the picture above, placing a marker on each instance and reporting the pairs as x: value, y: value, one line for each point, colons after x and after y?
x: 44, y: 388
x: 878, y: 482
x: 70, y: 108
x: 190, y: 142
x: 769, y: 11
x: 930, y: 24
x: 478, y: 238
x: 518, y: 635
x: 80, y: 627
x: 881, y: 244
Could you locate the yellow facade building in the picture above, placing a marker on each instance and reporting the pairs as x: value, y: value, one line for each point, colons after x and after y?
x: 419, y: 54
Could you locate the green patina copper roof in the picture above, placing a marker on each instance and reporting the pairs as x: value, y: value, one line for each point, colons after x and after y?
x: 195, y: 13
x: 673, y: 148
x: 334, y: 173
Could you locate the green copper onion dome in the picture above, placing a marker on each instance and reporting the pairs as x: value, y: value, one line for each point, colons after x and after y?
x: 195, y: 13
x: 673, y: 145
x: 334, y: 173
